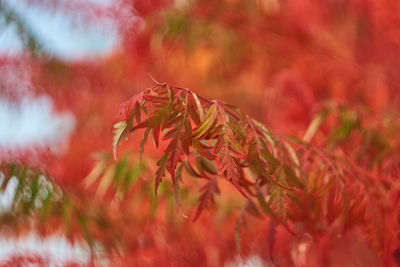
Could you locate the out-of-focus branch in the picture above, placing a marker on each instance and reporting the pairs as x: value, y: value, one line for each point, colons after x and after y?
x: 26, y: 35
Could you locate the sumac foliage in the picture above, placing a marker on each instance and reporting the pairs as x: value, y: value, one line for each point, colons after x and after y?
x: 306, y: 188
x: 304, y: 171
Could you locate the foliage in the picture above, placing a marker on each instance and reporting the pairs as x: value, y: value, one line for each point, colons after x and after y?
x: 38, y: 202
x: 306, y: 188
x: 301, y: 169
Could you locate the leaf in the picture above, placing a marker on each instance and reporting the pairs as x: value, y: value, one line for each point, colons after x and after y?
x: 236, y: 129
x: 156, y: 99
x: 270, y: 159
x: 156, y: 135
x: 160, y: 172
x: 292, y: 155
x: 314, y: 125
x: 175, y: 152
x: 236, y: 147
x: 208, y: 165
x: 176, y: 189
x: 226, y: 163
x: 292, y: 177
x: 238, y: 240
x: 209, y: 190
x: 218, y: 144
x: 94, y: 173
x: 326, y: 187
x: 120, y: 131
x: 186, y: 139
x: 179, y: 145
x: 193, y: 114
x: 235, y: 182
x: 268, y: 136
x: 126, y: 107
x: 191, y: 170
x: 142, y: 144
x: 137, y: 112
x: 264, y: 206
x: 252, y: 209
x: 215, y: 132
x: 206, y: 124
x: 200, y: 167
x: 105, y: 181
x: 156, y: 120
x: 188, y: 131
x: 199, y: 107
x: 202, y: 149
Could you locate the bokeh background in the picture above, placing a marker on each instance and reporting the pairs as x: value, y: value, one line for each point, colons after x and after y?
x: 65, y: 67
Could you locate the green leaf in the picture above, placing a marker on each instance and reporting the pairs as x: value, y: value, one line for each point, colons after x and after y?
x: 264, y: 206
x: 205, y: 126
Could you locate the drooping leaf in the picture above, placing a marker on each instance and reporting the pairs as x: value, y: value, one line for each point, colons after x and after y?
x: 176, y: 189
x: 314, y: 125
x: 120, y: 131
x: 207, y: 123
x: 191, y: 170
x: 142, y: 144
x: 208, y: 192
x: 160, y: 172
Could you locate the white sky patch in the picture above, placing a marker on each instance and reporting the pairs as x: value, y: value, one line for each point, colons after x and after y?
x: 33, y: 122
x: 9, y: 42
x: 67, y: 36
x: 7, y: 196
x: 104, y: 3
x: 251, y: 261
x: 56, y: 249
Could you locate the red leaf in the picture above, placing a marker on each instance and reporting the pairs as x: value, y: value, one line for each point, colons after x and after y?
x: 160, y: 172
x: 175, y: 152
x: 137, y: 112
x: 209, y: 190
x: 191, y: 170
x: 235, y: 182
x: 156, y: 135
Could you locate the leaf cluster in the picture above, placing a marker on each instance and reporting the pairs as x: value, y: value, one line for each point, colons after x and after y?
x: 303, y: 187
x: 217, y: 137
x: 35, y: 201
